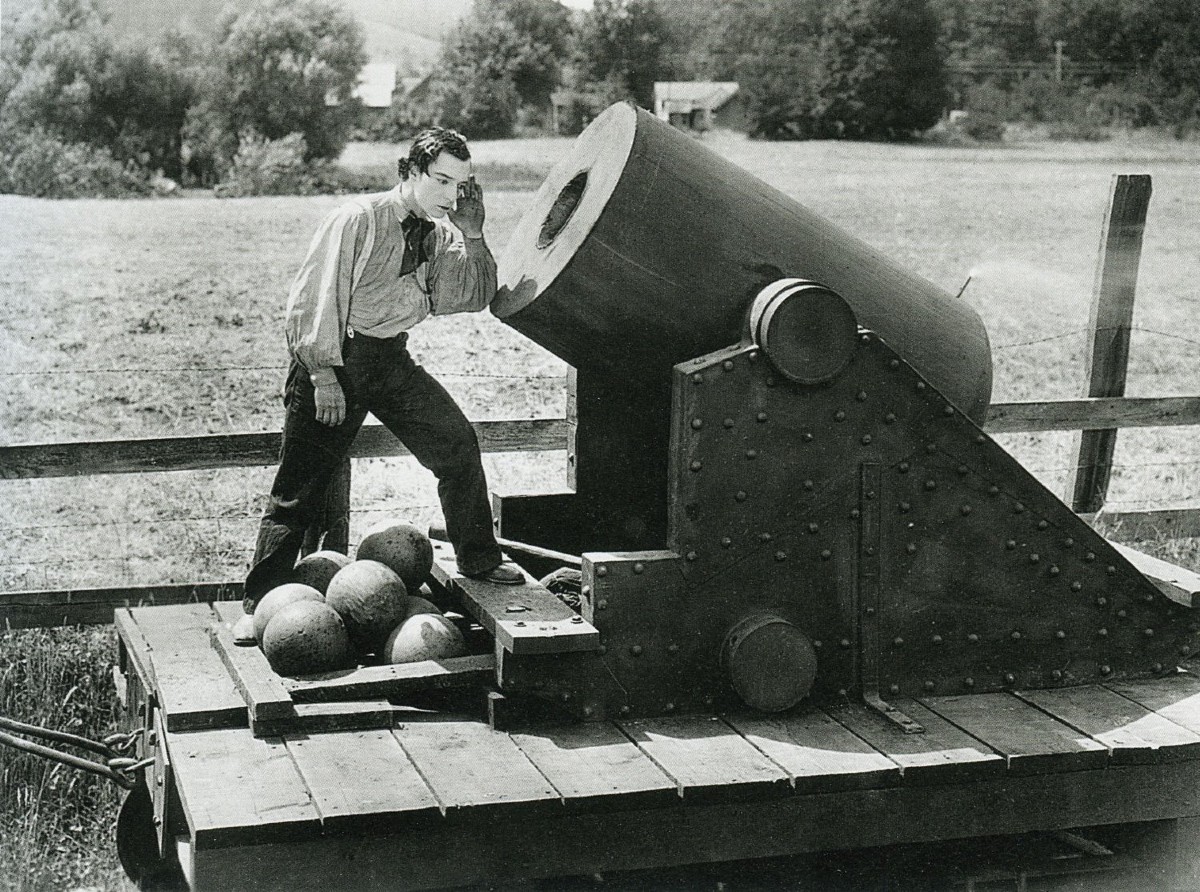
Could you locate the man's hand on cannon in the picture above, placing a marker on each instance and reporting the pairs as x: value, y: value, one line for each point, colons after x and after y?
x: 468, y: 213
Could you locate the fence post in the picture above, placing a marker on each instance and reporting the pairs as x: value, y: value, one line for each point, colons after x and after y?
x: 1108, y: 330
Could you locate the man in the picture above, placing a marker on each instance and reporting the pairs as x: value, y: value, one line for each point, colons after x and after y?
x: 375, y: 268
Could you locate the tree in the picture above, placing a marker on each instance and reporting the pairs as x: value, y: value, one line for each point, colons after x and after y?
x: 281, y: 67
x: 884, y: 77
x: 624, y: 41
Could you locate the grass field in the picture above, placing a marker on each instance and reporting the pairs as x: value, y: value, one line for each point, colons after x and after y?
x: 156, y: 317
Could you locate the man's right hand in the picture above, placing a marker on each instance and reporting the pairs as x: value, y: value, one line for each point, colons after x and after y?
x: 331, y: 404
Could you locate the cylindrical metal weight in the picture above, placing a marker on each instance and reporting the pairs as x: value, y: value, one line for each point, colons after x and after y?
x: 807, y: 331
x: 770, y: 663
x: 643, y: 248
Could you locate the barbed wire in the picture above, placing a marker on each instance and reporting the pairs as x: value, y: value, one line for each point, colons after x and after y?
x: 1077, y: 331
x: 248, y: 368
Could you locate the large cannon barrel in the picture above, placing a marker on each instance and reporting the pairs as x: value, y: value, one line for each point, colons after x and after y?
x: 643, y: 249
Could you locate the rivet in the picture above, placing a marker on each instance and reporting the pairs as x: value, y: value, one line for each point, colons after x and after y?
x: 808, y: 484
x: 588, y: 711
x: 1054, y: 571
x: 766, y: 537
x: 929, y: 685
x: 1156, y: 668
x: 963, y: 470
x: 898, y: 642
x: 781, y: 555
x: 697, y: 378
x: 1122, y: 614
x: 889, y: 418
x: 865, y: 338
x: 973, y: 638
x: 691, y: 555
x: 726, y: 541
x: 586, y: 590
x: 753, y: 355
x: 602, y: 649
x: 672, y: 648
x: 866, y: 440
x: 965, y: 509
x: 751, y: 454
x: 870, y: 611
x: 639, y: 567
x: 894, y: 364
x: 1060, y: 634
x: 565, y: 696
x: 845, y: 642
x: 812, y: 527
x: 1110, y: 570
x: 636, y: 650
x: 1148, y: 597
x: 769, y: 381
x: 1090, y: 556
x: 602, y: 604
x: 1010, y: 544
x: 520, y: 622
x: 839, y: 415
x: 1056, y: 674
x: 931, y: 485
x: 669, y: 706
x: 993, y: 490
x: 949, y: 410
x: 761, y: 417
x: 708, y: 701
x: 1076, y: 586
x: 855, y: 514
x: 697, y: 424
x: 920, y: 385
x: 904, y: 507
x: 1018, y: 508
x: 980, y: 439
x: 728, y: 423
x: 930, y: 448
x: 806, y: 437
x: 817, y: 643
x: 861, y: 396
x: 1068, y: 542
x: 1034, y: 558
x: 969, y: 681
x: 696, y: 465
x: 893, y: 689
x: 902, y: 467
x: 602, y: 570
x: 937, y: 639
x: 870, y: 549
x: 911, y: 547
x: 624, y: 710
x: 1015, y: 636
x: 1149, y: 633
x: 1185, y: 650
x: 727, y: 365
x: 1103, y: 633
x: 1106, y: 670
x: 740, y: 495
x: 577, y: 619
x: 826, y: 555
x: 1009, y: 678
x: 1042, y: 524
x: 1102, y: 601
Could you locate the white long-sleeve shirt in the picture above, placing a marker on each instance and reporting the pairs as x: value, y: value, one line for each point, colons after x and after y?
x: 459, y: 277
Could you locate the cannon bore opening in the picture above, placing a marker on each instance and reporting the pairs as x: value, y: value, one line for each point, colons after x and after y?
x: 562, y: 209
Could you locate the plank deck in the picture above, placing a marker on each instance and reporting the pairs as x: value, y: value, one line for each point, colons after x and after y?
x: 595, y: 766
x: 1132, y: 733
x: 707, y: 759
x: 362, y: 781
x: 1031, y: 741
x: 267, y: 701
x: 818, y: 754
x: 1175, y: 698
x: 943, y: 753
x: 193, y: 686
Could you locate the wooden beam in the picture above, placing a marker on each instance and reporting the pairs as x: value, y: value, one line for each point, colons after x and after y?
x: 139, y: 456
x: 1130, y: 526
x: 36, y: 609
x: 1108, y: 330
x: 1180, y: 585
x: 1093, y: 413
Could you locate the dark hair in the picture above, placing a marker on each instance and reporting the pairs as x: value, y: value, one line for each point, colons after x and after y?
x: 430, y: 143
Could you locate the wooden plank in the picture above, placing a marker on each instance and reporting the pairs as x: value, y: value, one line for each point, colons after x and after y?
x: 1175, y: 698
x: 1180, y: 585
x: 1093, y: 413
x: 65, y: 607
x: 361, y: 780
x: 136, y: 648
x: 194, y: 688
x: 818, y: 754
x: 240, y: 790
x: 1030, y: 741
x: 1108, y: 329
x: 707, y: 759
x: 941, y: 754
x: 594, y: 765
x: 1131, y: 732
x: 312, y: 718
x: 267, y: 701
x: 1132, y: 526
x: 394, y: 681
x: 139, y: 456
x: 580, y: 844
x: 475, y: 771
x: 526, y: 619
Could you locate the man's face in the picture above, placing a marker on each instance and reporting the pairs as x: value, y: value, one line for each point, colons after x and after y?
x: 436, y: 190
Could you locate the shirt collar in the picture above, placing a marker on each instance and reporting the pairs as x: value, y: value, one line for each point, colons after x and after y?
x: 405, y: 202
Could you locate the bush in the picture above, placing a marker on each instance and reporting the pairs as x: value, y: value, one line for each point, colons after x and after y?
x: 269, y: 167
x: 35, y: 163
x: 987, y: 111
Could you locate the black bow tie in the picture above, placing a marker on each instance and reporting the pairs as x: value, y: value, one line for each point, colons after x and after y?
x: 415, y: 230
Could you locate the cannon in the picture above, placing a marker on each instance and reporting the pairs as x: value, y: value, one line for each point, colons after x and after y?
x: 777, y: 476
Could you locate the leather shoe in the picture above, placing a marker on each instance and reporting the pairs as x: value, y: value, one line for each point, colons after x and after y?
x: 243, y: 631
x: 501, y: 574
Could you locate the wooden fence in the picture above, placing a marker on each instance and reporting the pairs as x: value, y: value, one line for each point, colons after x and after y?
x: 1098, y: 416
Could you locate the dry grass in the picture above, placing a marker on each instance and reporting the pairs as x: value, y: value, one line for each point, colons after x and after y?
x: 164, y: 317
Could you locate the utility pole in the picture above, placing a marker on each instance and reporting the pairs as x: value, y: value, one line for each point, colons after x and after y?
x: 1058, y: 60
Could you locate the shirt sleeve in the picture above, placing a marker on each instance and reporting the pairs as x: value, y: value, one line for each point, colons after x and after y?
x: 319, y: 300
x: 462, y: 272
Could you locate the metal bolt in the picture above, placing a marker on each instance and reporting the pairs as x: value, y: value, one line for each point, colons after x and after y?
x: 1076, y: 586
x: 1010, y: 544
x: 894, y: 364
x: 1103, y: 633
x: 839, y: 415
x: 697, y: 378
x: 751, y: 454
x: 1110, y: 570
x: 1068, y: 542
x: 697, y: 424
x: 726, y: 542
x: 602, y: 570
x: 845, y: 642
x: 753, y: 354
x: 521, y: 623
x: 905, y: 507
x: 740, y: 495
x: 728, y: 423
x: 812, y: 527
x: 1034, y: 558
x: 898, y: 641
x: 980, y: 439
x: 1102, y: 601
x: 1054, y: 571
x: 636, y: 650
x: 993, y: 490
x: 1090, y: 556
x: 565, y: 696
x: 894, y: 689
x: 930, y: 448
x: 1185, y: 650
x: 806, y: 437
x: 1156, y: 668
x: 761, y: 417
x: 781, y: 555
x: 1122, y: 614
x: 603, y: 605
x: 808, y: 484
x: 931, y: 485
x: 920, y: 385
x: 969, y: 681
x: 765, y: 537
x: 1060, y: 634
x: 586, y: 590
x: 889, y: 418
x: 577, y: 619
x: 691, y: 555
x: 937, y: 639
x: 588, y: 711
x: 929, y: 685
x: 911, y: 547
x: 870, y: 611
x: 817, y: 643
x: 1056, y: 674
x: 1042, y: 524
x: 973, y: 638
x: 624, y: 710
x: 902, y: 467
x: 1149, y: 633
x: 965, y: 509
x: 866, y: 440
x: 861, y: 396
x: 1106, y: 670
x: 696, y: 465
x: 639, y: 567
x: 1009, y: 678
x: 1018, y: 508
x: 673, y: 648
x: 948, y: 411
x: 1015, y: 636
x: 727, y: 365
x: 826, y: 554
x: 855, y: 514
x: 669, y: 706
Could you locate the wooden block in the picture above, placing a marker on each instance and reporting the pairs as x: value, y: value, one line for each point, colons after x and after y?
x: 1175, y: 698
x: 525, y: 619
x: 136, y: 646
x: 394, y: 681
x: 595, y: 765
x: 353, y: 715
x: 1180, y: 585
x: 267, y: 701
x: 943, y: 753
x: 193, y: 686
x: 239, y: 789
x: 817, y: 753
x: 475, y: 771
x: 1131, y: 732
x: 707, y: 759
x: 1030, y: 741
x: 362, y: 779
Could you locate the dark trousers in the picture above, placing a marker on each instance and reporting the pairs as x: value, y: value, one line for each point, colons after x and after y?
x: 378, y: 376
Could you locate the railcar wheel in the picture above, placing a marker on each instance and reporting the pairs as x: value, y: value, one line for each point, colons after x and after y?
x: 137, y: 845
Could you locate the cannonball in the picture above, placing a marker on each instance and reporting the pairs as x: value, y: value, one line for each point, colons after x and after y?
x: 371, y: 599
x: 401, y: 546
x: 318, y: 568
x: 278, y: 598
x: 421, y: 605
x: 424, y: 636
x: 306, y: 637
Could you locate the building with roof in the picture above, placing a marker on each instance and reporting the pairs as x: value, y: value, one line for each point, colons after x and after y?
x: 700, y: 105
